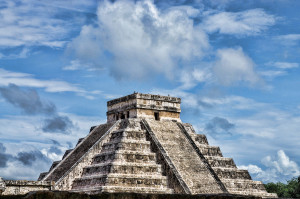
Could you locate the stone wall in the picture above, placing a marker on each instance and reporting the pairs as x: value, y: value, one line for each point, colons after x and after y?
x: 19, y: 187
x: 139, y: 105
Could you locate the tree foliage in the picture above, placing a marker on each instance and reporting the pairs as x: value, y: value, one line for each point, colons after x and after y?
x: 289, y: 190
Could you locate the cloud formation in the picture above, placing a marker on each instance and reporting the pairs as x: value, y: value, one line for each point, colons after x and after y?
x: 218, y: 127
x: 58, y: 123
x: 249, y: 22
x: 29, y: 101
x: 279, y: 168
x: 24, y: 79
x: 39, y: 23
x: 283, y: 65
x: 288, y: 39
x: 135, y: 39
x: 233, y: 66
x: 28, y: 158
x: 4, y: 157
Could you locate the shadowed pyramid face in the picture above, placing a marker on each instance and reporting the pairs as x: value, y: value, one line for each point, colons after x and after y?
x: 138, y: 105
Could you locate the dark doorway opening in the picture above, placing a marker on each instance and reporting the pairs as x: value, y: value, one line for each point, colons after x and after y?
x: 156, y: 115
x: 127, y: 114
x: 122, y: 116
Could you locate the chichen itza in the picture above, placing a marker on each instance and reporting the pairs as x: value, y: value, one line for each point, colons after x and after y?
x: 145, y: 148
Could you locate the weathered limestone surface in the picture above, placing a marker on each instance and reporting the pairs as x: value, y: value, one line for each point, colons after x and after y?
x: 61, y: 168
x: 184, y: 157
x: 66, y: 181
x: 19, y: 187
x: 236, y: 181
x: 140, y: 105
x: 125, y: 164
x: 145, y: 148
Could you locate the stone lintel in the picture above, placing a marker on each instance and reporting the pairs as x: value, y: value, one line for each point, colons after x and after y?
x: 141, y: 106
x: 144, y: 96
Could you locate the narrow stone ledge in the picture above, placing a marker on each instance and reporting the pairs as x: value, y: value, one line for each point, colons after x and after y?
x: 27, y: 183
x: 72, y: 195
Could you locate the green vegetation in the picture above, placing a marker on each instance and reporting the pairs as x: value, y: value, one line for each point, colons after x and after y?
x: 289, y: 190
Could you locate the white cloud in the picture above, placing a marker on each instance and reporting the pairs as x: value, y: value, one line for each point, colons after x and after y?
x: 16, y: 170
x: 283, y: 65
x: 28, y: 80
x: 77, y: 65
x: 249, y: 22
x: 191, y: 77
x: 280, y: 168
x: 29, y: 23
x: 281, y: 69
x: 289, y: 39
x: 233, y: 66
x: 135, y: 40
x: 272, y: 73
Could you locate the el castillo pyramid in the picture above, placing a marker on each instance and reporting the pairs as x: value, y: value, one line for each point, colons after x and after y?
x: 145, y: 148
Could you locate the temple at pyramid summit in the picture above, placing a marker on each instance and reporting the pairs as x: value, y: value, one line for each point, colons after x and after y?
x: 145, y: 148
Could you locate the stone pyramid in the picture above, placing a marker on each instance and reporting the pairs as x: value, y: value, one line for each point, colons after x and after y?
x: 145, y: 148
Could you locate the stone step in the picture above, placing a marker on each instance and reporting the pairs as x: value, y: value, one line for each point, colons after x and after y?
x: 134, y: 135
x: 208, y: 150
x: 127, y: 156
x: 127, y: 144
x: 201, y: 139
x: 126, y: 180
x: 122, y: 189
x: 67, y: 152
x: 54, y: 164
x: 253, y: 192
x: 243, y: 184
x: 42, y: 175
x: 183, y: 157
x: 231, y: 173
x: 79, y: 141
x: 217, y: 161
x: 122, y: 168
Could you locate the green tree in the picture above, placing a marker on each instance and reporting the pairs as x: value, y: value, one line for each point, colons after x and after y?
x: 289, y: 190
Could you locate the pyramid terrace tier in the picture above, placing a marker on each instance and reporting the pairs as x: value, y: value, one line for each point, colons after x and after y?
x: 122, y: 189
x: 123, y: 155
x: 122, y: 168
x: 126, y: 180
x: 208, y: 150
x: 217, y: 161
x: 128, y: 134
x: 127, y: 144
x: 232, y: 173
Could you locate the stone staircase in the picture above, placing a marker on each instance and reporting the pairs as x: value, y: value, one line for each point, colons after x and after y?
x: 124, y: 164
x: 236, y: 181
x: 189, y: 165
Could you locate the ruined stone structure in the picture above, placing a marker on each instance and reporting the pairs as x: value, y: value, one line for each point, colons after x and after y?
x: 145, y: 148
x: 19, y: 187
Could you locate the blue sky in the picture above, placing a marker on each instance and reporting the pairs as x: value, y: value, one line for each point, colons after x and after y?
x: 235, y: 64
